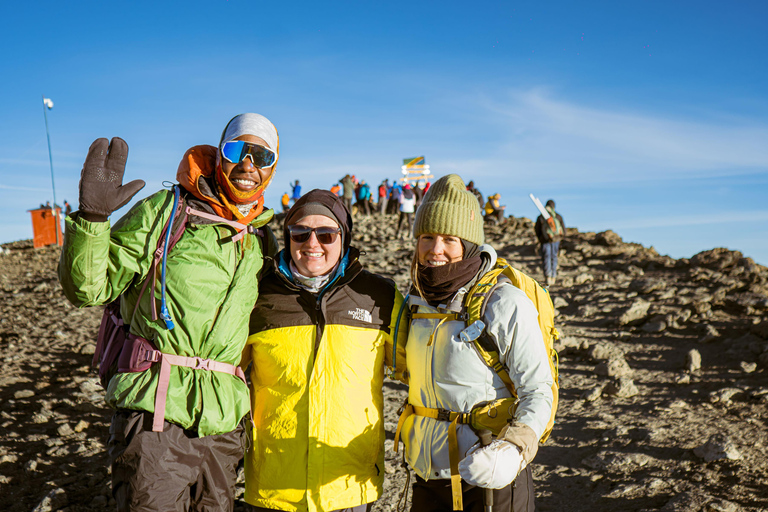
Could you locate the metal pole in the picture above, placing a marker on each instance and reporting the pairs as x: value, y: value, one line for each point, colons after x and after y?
x: 50, y: 158
x: 486, y: 436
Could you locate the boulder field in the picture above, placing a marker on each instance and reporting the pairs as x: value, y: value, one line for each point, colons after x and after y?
x: 663, y: 378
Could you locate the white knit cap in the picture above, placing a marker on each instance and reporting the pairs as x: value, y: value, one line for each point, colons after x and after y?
x: 251, y: 124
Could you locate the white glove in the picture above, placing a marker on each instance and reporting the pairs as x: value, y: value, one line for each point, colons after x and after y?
x: 492, y: 467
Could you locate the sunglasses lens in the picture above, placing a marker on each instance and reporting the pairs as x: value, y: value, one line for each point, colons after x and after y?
x: 236, y: 150
x: 233, y: 151
x: 326, y: 236
x: 261, y: 156
x: 301, y: 234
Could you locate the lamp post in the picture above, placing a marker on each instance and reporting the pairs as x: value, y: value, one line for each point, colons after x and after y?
x: 48, y: 105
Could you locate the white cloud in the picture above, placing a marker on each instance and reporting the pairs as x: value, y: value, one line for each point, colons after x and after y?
x: 574, y: 143
x: 691, y: 220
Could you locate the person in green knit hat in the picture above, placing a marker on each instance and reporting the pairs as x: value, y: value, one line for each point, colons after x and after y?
x: 447, y: 375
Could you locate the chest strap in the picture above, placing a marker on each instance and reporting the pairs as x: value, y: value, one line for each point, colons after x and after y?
x: 196, y: 363
x: 453, y: 444
x: 140, y: 355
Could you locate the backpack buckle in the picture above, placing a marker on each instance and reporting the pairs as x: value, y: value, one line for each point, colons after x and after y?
x: 472, y: 332
x: 201, y: 364
x: 443, y: 415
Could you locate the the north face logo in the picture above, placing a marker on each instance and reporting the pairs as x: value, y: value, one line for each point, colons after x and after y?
x: 362, y: 315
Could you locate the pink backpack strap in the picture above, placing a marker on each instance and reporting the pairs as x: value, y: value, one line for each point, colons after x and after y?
x: 242, y: 229
x: 196, y: 363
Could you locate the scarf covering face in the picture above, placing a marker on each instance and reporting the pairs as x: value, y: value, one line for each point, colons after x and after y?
x: 247, y: 124
x: 441, y: 283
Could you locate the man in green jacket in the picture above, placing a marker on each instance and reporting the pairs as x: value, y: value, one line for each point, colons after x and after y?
x: 176, y: 436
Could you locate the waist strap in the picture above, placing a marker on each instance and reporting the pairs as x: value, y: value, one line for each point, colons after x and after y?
x: 196, y: 363
x: 453, y: 443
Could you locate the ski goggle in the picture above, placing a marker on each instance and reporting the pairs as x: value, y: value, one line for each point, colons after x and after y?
x: 235, y: 151
x: 301, y: 234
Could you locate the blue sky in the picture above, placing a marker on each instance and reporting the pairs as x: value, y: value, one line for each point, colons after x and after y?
x: 646, y: 117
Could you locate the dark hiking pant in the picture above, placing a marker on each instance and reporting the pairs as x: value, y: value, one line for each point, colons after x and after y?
x: 404, y: 221
x: 549, y: 258
x: 435, y: 496
x: 172, y: 470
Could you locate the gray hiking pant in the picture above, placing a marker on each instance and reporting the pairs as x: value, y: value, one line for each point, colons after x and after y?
x: 172, y: 470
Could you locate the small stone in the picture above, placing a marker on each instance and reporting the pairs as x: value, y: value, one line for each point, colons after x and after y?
x: 693, y: 360
x: 64, y: 430
x: 710, y: 334
x: 30, y: 466
x: 635, y: 313
x: 592, y: 394
x: 724, y: 395
x: 616, y: 367
x: 748, y: 367
x: 721, y: 506
x: 24, y: 393
x: 9, y: 457
x: 81, y: 425
x: 718, y: 446
x: 560, y: 302
x: 54, y: 500
x: 622, y: 388
x: 683, y: 379
x: 654, y: 325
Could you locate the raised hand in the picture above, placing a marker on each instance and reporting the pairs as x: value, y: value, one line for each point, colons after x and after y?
x: 101, y: 181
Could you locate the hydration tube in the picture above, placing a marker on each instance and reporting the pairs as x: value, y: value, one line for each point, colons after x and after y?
x: 164, y: 313
x: 397, y: 328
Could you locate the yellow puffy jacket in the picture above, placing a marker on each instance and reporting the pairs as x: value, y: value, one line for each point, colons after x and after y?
x: 316, y: 389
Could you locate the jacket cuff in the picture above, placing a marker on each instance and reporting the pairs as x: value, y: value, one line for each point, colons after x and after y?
x: 522, y: 436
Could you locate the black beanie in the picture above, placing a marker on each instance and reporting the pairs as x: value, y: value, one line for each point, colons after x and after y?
x: 320, y: 202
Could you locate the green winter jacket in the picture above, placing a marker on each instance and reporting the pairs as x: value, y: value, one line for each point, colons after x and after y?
x: 212, y: 285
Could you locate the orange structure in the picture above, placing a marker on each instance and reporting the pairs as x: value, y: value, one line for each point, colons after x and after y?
x: 46, y: 227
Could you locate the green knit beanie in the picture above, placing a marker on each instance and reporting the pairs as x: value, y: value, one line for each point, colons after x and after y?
x: 449, y: 208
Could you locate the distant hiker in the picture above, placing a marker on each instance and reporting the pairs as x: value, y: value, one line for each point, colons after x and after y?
x: 364, y: 198
x: 494, y: 212
x: 321, y: 332
x: 336, y: 190
x: 550, y: 233
x: 67, y: 208
x: 383, y: 196
x: 407, y: 201
x: 419, y: 193
x: 286, y: 201
x: 349, y: 191
x: 477, y: 193
x: 177, y: 433
x: 452, y: 389
x: 395, y: 192
x: 47, y: 204
x: 295, y: 192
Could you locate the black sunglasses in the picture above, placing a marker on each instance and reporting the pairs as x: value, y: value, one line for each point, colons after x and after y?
x: 301, y: 234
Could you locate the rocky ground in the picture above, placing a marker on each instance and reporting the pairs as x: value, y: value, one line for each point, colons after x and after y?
x: 663, y: 375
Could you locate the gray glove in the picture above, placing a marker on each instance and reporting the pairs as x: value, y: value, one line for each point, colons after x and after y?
x: 101, y: 182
